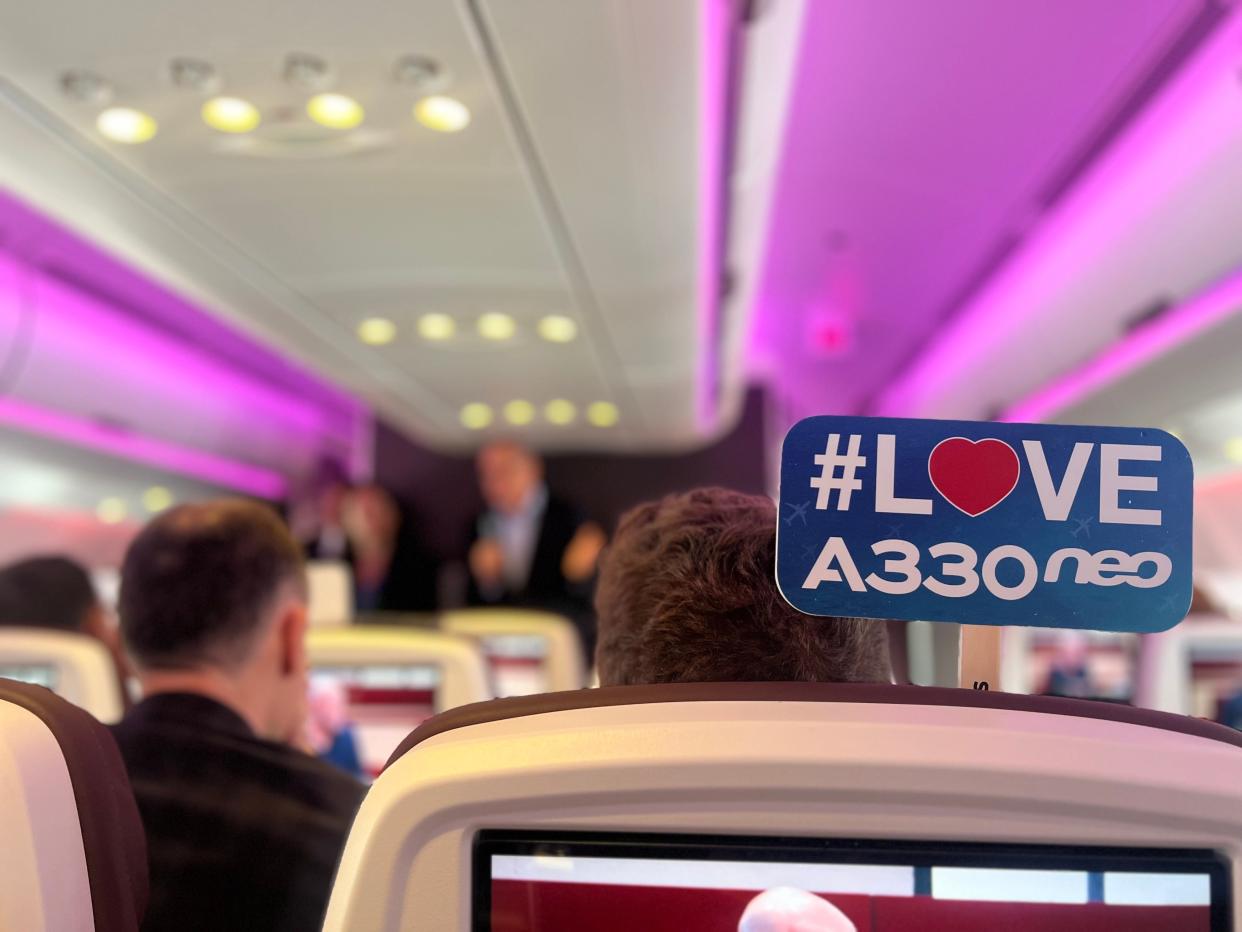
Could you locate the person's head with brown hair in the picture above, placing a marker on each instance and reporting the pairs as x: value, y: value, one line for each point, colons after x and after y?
x: 687, y: 594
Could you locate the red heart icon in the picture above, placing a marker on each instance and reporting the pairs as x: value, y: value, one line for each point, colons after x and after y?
x: 973, y: 475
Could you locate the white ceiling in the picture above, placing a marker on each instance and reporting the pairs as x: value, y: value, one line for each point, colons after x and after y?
x: 575, y: 190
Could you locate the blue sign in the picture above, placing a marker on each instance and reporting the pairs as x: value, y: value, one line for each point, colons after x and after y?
x: 986, y: 523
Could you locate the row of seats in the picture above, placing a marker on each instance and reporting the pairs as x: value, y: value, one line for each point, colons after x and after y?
x: 464, y: 829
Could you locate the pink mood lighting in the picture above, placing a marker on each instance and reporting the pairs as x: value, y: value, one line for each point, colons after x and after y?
x: 101, y: 438
x: 1148, y: 342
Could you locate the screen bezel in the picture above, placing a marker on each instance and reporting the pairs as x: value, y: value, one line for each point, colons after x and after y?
x: 1091, y: 858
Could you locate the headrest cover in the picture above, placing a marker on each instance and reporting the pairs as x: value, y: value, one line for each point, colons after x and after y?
x: 112, y: 833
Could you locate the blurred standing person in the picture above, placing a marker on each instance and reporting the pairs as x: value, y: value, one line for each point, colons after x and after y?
x: 317, y: 519
x: 392, y: 571
x: 529, y: 548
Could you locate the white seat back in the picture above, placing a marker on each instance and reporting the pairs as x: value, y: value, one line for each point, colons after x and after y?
x: 331, y: 593
x: 74, y: 666
x: 527, y: 651
x: 885, y: 765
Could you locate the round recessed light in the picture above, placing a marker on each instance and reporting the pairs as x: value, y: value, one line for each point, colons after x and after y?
x: 603, y: 413
x: 111, y: 510
x: 127, y: 125
x: 476, y: 415
x: 156, y: 499
x: 231, y: 114
x: 560, y: 412
x: 376, y: 331
x: 519, y: 413
x: 335, y: 111
x: 557, y: 328
x: 496, y: 326
x: 436, y: 326
x: 1233, y: 449
x: 443, y: 114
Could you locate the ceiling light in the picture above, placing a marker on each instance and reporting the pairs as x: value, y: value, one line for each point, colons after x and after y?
x: 1233, y: 449
x: 231, y: 114
x: 124, y: 124
x: 560, y: 412
x: 419, y: 72
x: 436, y: 326
x: 308, y: 71
x: 603, y: 413
x: 557, y: 328
x: 496, y: 326
x: 519, y: 413
x: 111, y: 510
x: 156, y: 499
x: 335, y: 111
x: 194, y: 74
x: 376, y: 331
x: 86, y: 86
x: 476, y: 415
x: 443, y: 114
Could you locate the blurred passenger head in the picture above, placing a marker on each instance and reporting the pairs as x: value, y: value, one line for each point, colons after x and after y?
x: 786, y: 909
x: 687, y: 593
x: 49, y: 592
x: 508, y: 475
x: 220, y: 587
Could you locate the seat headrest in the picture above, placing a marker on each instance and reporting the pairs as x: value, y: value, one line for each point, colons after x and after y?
x: 500, y: 709
x: 113, y: 839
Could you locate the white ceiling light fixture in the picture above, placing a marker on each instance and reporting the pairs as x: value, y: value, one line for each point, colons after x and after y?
x: 496, y: 326
x: 194, y: 74
x: 231, y: 115
x: 157, y: 499
x: 603, y: 414
x: 377, y: 331
x: 519, y: 413
x: 420, y: 73
x: 335, y: 111
x: 442, y: 114
x: 111, y: 510
x: 436, y: 327
x: 86, y: 87
x: 126, y: 125
x: 557, y: 328
x: 476, y: 415
x: 309, y: 72
x: 560, y: 412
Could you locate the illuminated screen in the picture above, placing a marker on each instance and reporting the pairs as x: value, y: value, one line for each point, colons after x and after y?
x: 37, y: 674
x: 517, y: 663
x: 383, y: 704
x: 581, y: 882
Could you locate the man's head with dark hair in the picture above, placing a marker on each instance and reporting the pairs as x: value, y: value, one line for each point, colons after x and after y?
x: 215, y: 593
x: 687, y: 593
x: 47, y: 592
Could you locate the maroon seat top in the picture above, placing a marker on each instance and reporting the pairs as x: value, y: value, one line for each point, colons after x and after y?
x: 112, y: 833
x: 498, y: 709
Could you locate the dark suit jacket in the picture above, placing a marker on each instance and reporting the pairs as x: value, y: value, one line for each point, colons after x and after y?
x: 242, y: 833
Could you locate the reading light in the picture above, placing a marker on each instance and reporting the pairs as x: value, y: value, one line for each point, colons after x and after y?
x: 603, y: 413
x: 436, y: 326
x: 376, y: 331
x: 496, y: 326
x: 231, y: 114
x: 476, y: 415
x: 443, y: 114
x: 111, y: 510
x: 1233, y: 449
x: 557, y: 328
x: 335, y: 111
x: 156, y: 499
x: 519, y: 413
x: 560, y: 412
x: 126, y: 125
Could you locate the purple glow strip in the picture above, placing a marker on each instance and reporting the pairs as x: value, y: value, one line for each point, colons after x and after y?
x: 1170, y: 330
x: 216, y: 470
x: 715, y: 32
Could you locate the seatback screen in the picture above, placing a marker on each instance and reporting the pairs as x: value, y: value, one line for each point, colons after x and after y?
x: 361, y: 713
x: 517, y: 663
x: 38, y: 674
x: 578, y: 882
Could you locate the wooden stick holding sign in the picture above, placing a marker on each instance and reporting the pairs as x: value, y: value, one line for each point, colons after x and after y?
x: 979, y: 660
